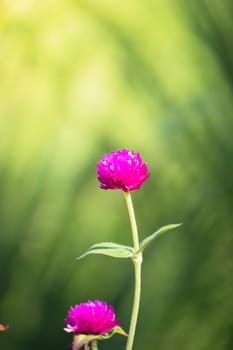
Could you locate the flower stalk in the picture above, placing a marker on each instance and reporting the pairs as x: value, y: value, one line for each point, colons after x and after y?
x: 137, y: 262
x: 94, y: 345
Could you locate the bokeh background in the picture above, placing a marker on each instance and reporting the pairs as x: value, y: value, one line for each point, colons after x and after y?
x: 77, y: 80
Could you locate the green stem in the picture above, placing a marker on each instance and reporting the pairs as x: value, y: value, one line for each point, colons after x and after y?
x: 132, y: 219
x: 94, y: 345
x: 137, y: 261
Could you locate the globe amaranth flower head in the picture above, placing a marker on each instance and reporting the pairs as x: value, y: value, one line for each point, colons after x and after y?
x: 92, y: 317
x: 122, y: 169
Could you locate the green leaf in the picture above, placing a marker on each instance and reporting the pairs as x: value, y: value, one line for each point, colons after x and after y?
x: 82, y: 339
x: 111, y: 249
x: 115, y: 330
x: 156, y: 234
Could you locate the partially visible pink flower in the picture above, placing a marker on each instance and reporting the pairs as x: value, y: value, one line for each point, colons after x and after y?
x: 122, y: 169
x: 92, y: 317
x: 3, y: 327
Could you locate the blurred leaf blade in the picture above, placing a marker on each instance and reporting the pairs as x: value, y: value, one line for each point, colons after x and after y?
x: 114, y: 250
x: 148, y: 240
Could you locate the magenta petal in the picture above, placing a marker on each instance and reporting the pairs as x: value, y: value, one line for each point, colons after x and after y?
x: 93, y: 317
x: 122, y: 169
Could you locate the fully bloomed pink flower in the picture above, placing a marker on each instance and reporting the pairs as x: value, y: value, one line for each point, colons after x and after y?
x: 92, y: 317
x: 122, y: 169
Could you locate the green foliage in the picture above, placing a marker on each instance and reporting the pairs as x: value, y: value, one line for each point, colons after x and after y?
x: 148, y: 240
x: 114, y: 250
x: 78, y: 79
x: 81, y: 339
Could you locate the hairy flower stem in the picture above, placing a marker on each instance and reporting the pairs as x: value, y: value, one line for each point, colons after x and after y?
x: 137, y: 261
x: 94, y: 345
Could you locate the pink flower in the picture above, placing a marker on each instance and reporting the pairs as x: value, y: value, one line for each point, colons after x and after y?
x: 92, y: 317
x: 122, y: 169
x: 3, y: 327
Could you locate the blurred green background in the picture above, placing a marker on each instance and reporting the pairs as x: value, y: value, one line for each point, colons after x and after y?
x: 77, y: 80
